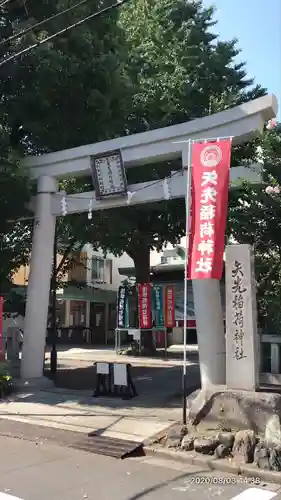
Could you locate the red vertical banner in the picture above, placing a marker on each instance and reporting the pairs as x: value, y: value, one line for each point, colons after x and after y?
x: 2, y: 349
x: 169, y: 313
x: 209, y: 203
x: 145, y: 313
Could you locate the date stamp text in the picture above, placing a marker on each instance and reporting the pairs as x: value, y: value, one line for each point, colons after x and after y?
x: 223, y: 480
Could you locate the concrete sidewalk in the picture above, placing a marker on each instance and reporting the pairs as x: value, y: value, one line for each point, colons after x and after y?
x: 157, y: 406
x: 110, y: 417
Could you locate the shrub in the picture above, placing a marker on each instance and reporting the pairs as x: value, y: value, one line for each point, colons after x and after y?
x: 6, y: 380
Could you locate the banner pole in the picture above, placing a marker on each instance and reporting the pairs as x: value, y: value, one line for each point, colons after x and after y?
x: 2, y: 340
x: 116, y: 322
x: 187, y: 166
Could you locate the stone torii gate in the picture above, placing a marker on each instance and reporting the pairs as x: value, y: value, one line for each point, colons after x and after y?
x: 241, y: 122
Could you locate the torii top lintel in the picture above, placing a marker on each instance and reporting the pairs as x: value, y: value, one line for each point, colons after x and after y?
x: 240, y: 122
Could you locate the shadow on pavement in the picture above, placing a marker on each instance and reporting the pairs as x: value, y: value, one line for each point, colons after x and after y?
x: 159, y: 391
x: 155, y: 385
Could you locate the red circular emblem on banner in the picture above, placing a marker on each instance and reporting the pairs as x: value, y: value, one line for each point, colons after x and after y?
x: 211, y: 156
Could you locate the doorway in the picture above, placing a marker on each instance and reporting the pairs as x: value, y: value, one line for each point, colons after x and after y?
x: 97, y: 323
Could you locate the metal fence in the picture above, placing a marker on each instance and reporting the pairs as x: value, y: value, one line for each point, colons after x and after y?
x: 270, y: 366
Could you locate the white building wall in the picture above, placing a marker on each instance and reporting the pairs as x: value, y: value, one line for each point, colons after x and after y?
x: 122, y: 261
x: 118, y: 262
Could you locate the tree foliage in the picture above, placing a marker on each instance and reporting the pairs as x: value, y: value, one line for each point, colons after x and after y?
x: 14, y: 195
x: 66, y: 93
x: 179, y: 71
x: 69, y: 91
x: 152, y: 64
x: 255, y: 218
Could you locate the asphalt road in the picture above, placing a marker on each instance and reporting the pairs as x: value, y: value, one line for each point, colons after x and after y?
x: 42, y: 471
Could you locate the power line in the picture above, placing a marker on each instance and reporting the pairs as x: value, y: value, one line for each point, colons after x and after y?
x: 65, y: 30
x: 41, y: 23
x: 4, y: 3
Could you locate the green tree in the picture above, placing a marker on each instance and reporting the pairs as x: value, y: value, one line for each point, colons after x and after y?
x: 14, y: 196
x: 155, y: 64
x: 179, y: 71
x: 78, y: 78
x: 255, y: 218
x: 72, y: 90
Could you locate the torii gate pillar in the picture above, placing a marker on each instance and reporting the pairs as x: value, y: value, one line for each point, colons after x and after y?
x: 38, y: 296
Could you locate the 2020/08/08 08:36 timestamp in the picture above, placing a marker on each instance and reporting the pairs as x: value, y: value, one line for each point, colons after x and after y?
x: 224, y: 480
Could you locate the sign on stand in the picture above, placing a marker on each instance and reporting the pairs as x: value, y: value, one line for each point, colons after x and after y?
x: 242, y: 339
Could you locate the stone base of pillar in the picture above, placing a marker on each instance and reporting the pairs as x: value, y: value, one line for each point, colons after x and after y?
x: 228, y: 409
x: 210, y: 331
x: 39, y: 384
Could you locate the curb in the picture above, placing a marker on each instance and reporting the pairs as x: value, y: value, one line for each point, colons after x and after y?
x: 215, y: 464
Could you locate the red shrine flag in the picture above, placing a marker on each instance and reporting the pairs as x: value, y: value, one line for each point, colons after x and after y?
x: 209, y: 203
x: 169, y: 313
x: 145, y: 316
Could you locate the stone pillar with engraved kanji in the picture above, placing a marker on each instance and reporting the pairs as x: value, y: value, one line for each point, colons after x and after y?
x: 242, y: 337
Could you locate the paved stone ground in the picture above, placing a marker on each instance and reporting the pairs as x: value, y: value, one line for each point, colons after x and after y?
x: 81, y: 375
x: 42, y: 470
x: 76, y: 370
x: 173, y: 357
x: 157, y: 405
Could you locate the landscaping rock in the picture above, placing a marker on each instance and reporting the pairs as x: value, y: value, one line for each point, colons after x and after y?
x: 226, y: 438
x: 174, y: 437
x: 187, y: 443
x: 244, y: 445
x: 183, y: 431
x: 261, y: 456
x: 275, y: 459
x: 206, y: 446
x: 222, y: 451
x: 273, y: 431
x: 223, y: 408
x: 173, y: 442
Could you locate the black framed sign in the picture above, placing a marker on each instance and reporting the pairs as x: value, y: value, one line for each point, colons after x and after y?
x: 109, y: 176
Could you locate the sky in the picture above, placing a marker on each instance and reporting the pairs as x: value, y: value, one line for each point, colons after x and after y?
x: 257, y: 26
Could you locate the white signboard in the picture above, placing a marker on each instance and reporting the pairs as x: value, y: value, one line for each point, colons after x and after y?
x: 103, y: 368
x: 135, y: 332
x: 242, y: 340
x: 120, y: 374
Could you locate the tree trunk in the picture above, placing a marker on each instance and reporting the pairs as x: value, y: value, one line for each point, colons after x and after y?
x: 141, y: 257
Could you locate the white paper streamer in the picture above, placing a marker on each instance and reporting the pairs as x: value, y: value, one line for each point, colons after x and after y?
x: 130, y: 196
x: 166, y: 188
x: 63, y: 206
x: 90, y: 215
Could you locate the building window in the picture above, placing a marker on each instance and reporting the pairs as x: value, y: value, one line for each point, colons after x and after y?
x: 102, y: 270
x: 77, y: 313
x: 165, y: 260
x: 60, y: 316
